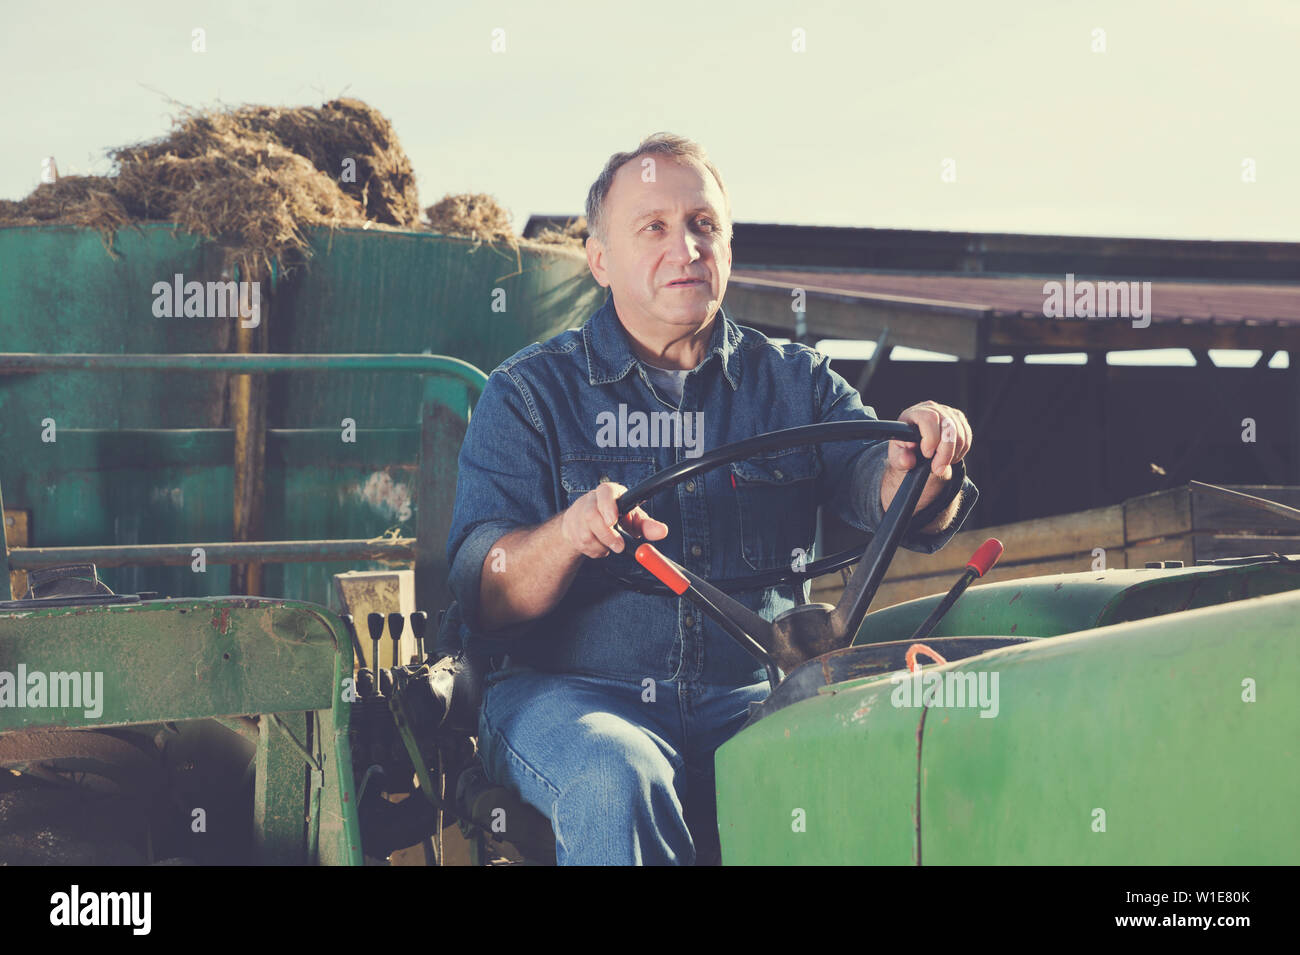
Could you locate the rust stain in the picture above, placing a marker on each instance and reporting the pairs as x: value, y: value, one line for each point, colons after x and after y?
x: 222, y: 621
x: 391, y: 499
x: 1016, y: 597
x: 1059, y: 586
x: 1013, y: 627
x: 787, y: 734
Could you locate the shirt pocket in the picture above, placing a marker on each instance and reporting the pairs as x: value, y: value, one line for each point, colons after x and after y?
x: 582, y: 471
x: 776, y: 497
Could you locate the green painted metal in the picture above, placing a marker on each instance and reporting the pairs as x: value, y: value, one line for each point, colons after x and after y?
x: 832, y: 776
x: 1067, y: 603
x: 444, y: 417
x: 280, y: 798
x: 1146, y: 719
x: 134, y: 487
x: 6, y: 589
x: 178, y: 659
x: 14, y: 362
x: 132, y: 555
x: 450, y: 390
x: 213, y: 658
x: 363, y: 292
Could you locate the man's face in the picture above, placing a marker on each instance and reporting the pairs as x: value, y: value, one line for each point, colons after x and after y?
x: 668, y: 255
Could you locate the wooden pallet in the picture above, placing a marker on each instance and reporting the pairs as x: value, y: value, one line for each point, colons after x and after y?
x: 1189, y: 523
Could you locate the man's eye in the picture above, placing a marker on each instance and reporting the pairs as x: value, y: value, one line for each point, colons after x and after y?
x: 709, y: 223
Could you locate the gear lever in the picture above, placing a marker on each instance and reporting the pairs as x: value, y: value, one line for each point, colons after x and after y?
x: 396, y: 624
x: 375, y: 623
x: 419, y: 620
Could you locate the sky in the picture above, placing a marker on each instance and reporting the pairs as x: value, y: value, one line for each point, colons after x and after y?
x: 817, y: 113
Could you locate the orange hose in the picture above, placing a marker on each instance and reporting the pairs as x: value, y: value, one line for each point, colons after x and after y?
x: 914, y: 649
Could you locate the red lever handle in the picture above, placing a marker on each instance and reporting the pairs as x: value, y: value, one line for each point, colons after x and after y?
x: 985, y: 556
x: 650, y: 558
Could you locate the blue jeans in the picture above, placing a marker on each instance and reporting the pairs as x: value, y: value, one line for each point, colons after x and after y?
x: 624, y: 771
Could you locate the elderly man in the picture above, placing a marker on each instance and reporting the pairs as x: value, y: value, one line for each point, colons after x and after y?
x: 610, y: 702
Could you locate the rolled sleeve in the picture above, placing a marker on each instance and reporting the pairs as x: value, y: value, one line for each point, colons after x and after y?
x: 869, y: 474
x: 855, y: 473
x: 504, y: 482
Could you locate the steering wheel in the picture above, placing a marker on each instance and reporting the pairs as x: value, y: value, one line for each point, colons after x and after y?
x: 807, y: 630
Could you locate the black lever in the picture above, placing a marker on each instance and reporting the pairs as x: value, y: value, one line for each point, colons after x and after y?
x: 419, y: 620
x: 375, y: 622
x: 396, y: 624
x: 365, y: 678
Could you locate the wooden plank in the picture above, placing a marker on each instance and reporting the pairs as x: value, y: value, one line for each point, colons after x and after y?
x: 1215, y: 512
x: 1168, y: 548
x: 1214, y: 546
x: 894, y: 591
x: 15, y: 528
x: 1057, y: 536
x: 1154, y: 527
x: 1162, y: 514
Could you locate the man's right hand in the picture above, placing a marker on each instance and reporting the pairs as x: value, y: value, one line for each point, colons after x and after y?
x: 588, y: 524
x: 528, y: 570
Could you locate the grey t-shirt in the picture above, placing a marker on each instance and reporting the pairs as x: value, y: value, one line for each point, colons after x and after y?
x: 670, y: 381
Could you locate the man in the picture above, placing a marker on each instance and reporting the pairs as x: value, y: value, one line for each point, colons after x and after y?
x: 607, y: 708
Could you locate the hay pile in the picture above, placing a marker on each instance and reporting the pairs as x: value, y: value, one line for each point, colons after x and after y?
x: 480, y: 217
x: 253, y: 177
x: 76, y: 200
x: 475, y: 216
x: 574, y: 232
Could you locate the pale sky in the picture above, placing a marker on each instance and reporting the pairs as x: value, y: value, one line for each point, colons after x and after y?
x: 1146, y: 139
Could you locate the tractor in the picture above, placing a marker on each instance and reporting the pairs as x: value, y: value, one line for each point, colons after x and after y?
x: 1113, y: 717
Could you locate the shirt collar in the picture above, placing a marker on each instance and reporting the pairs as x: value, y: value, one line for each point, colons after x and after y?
x: 610, y: 355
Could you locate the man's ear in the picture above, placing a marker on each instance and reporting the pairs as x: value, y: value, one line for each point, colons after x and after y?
x: 596, y: 261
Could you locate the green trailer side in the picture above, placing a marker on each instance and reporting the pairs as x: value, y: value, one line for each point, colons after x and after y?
x: 273, y: 671
x: 146, y: 458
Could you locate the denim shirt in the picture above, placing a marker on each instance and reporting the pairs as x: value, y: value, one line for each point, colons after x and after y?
x: 558, y: 417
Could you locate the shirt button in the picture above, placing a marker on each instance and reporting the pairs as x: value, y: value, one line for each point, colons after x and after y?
x: 690, y: 487
x: 777, y: 474
x: 696, y: 550
x: 604, y: 478
x: 689, y: 621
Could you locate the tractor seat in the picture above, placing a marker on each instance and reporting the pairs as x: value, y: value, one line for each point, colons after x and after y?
x: 498, y: 809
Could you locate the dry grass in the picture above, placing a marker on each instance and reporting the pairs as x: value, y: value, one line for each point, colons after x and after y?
x: 253, y: 177
x: 476, y: 216
x: 574, y: 232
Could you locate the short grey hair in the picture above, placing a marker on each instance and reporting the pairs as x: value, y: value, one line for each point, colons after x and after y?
x: 663, y: 144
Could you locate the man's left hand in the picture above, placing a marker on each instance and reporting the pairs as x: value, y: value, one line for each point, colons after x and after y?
x: 945, y: 438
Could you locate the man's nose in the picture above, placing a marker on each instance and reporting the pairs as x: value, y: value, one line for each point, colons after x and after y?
x: 686, y: 245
